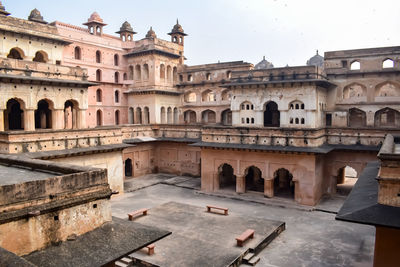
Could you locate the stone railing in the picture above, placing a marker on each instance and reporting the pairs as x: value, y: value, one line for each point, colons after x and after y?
x: 48, y: 140
x: 41, y: 70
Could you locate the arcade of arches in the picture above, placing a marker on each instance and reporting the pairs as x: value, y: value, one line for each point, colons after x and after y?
x: 303, y: 177
x: 16, y: 116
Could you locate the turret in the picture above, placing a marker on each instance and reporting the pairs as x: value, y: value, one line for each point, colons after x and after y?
x: 36, y: 16
x: 126, y: 32
x: 95, y: 24
x: 177, y: 34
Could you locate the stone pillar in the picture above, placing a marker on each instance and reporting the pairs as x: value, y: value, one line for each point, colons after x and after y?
x: 240, y: 184
x: 1, y: 120
x: 370, y: 119
x: 43, y: 120
x: 74, y: 118
x: 29, y: 120
x: 57, y: 119
x: 81, y: 118
x: 268, y: 187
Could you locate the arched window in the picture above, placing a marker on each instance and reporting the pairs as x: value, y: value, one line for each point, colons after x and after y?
x: 43, y: 115
x: 116, y: 96
x: 297, y: 120
x: 162, y: 71
x: 190, y: 78
x: 98, y: 30
x: 208, y: 96
x: 145, y: 72
x: 138, y: 73
x: 190, y: 97
x: 117, y: 117
x: 208, y: 76
x: 40, y: 56
x: 388, y: 63
x: 98, y: 75
x: 247, y: 106
x: 98, y: 56
x: 77, y: 52
x: 355, y: 65
x: 123, y: 38
x: 175, y: 74
x: 13, y: 116
x: 302, y: 121
x: 98, y: 95
x: 357, y: 118
x: 131, y: 116
x: 99, y: 119
x: 228, y: 74
x: 125, y: 76
x: 16, y: 53
x: 116, y: 60
x: 291, y: 121
x: 116, y: 77
x: 271, y: 115
x: 130, y: 73
x: 297, y: 106
x: 302, y: 106
x: 169, y: 73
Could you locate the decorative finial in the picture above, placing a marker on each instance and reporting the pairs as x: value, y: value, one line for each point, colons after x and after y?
x: 263, y: 57
x: 177, y: 22
x: 317, y: 51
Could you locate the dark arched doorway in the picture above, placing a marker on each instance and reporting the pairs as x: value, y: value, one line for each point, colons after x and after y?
x: 271, y: 115
x: 13, y: 116
x: 345, y: 180
x: 254, y: 181
x: 128, y: 168
x: 227, y: 180
x: 283, y: 183
x: 43, y: 115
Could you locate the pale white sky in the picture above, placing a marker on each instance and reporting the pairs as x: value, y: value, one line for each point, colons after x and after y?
x: 285, y: 31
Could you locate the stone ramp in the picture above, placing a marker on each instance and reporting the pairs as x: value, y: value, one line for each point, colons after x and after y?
x: 200, y: 238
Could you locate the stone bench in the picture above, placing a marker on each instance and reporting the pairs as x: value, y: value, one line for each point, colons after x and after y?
x: 135, y: 213
x: 225, y: 210
x: 249, y: 233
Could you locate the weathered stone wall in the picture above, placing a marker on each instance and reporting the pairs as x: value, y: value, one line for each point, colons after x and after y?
x: 112, y: 161
x: 34, y: 233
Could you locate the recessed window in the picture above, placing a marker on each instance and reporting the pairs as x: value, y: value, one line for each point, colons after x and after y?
x: 388, y: 63
x: 77, y: 52
x: 190, y: 78
x: 98, y: 75
x: 116, y: 96
x: 98, y: 56
x: 98, y: 95
x: 208, y: 76
x: 355, y: 65
x: 116, y: 60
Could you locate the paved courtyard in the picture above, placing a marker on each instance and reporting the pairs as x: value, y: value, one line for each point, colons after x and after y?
x: 312, y: 237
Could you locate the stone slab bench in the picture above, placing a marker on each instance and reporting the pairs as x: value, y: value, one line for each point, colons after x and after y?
x: 210, y: 208
x: 249, y: 233
x: 136, y: 213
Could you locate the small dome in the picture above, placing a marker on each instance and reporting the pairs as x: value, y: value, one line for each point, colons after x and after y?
x: 126, y: 27
x: 151, y: 33
x: 3, y: 10
x: 316, y: 60
x: 36, y: 16
x: 177, y: 29
x: 95, y: 17
x: 263, y: 64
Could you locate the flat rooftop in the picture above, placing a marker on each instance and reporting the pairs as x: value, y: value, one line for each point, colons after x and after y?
x: 19, y: 174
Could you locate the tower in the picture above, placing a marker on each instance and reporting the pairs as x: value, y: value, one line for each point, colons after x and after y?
x: 126, y: 32
x: 95, y: 24
x: 177, y: 34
